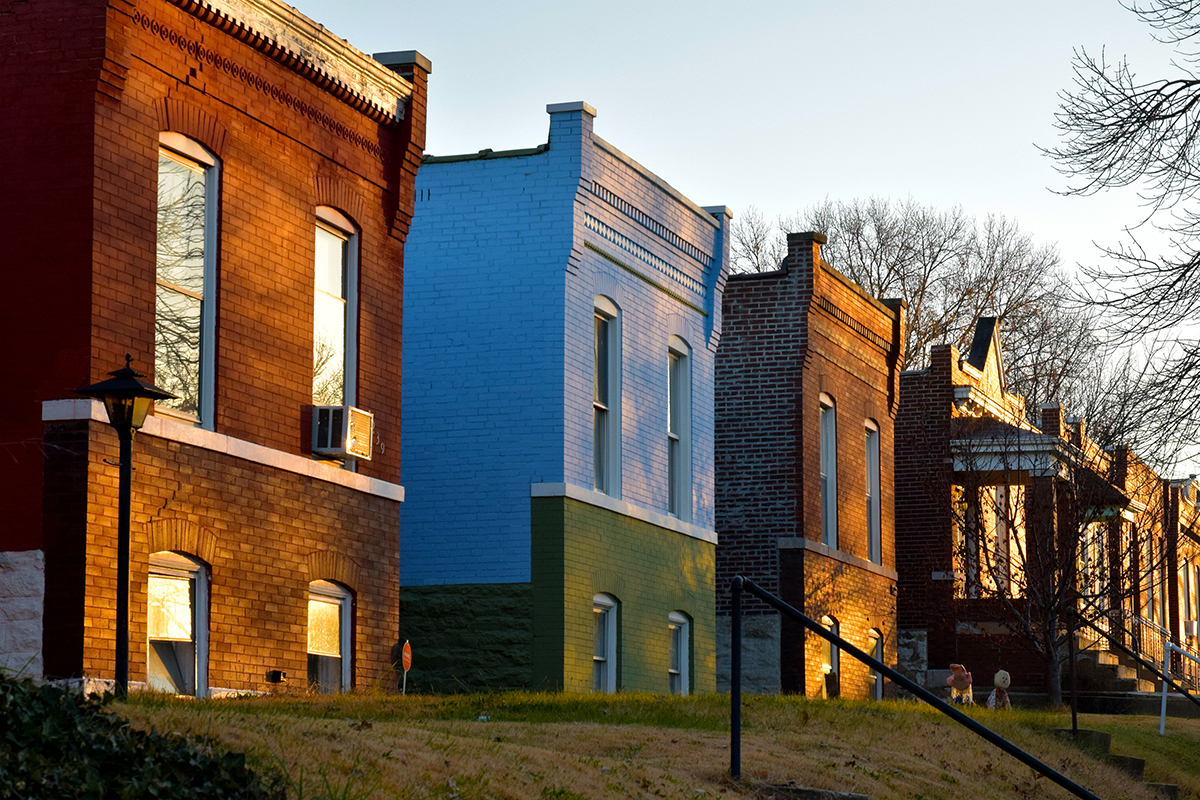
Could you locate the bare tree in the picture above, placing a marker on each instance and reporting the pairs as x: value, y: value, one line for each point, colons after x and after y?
x: 951, y: 269
x: 1119, y: 130
x: 1047, y: 528
x: 756, y: 244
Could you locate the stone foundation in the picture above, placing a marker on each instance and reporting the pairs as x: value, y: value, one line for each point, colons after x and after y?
x: 22, y: 599
x: 760, y: 653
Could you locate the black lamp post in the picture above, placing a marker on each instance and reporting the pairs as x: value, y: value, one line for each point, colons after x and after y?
x: 127, y: 399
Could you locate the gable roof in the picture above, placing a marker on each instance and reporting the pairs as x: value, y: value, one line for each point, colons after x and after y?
x: 985, y: 346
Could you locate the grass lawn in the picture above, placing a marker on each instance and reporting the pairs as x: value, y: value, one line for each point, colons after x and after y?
x: 525, y: 745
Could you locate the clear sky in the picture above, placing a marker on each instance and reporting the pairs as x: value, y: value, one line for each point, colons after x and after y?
x: 780, y: 104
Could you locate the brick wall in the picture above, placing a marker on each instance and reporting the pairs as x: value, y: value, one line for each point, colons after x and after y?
x: 506, y: 256
x: 789, y: 336
x: 581, y: 551
x: 97, y: 83
x: 263, y: 533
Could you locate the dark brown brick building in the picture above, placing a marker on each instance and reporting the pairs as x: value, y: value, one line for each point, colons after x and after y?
x: 221, y: 189
x: 806, y: 392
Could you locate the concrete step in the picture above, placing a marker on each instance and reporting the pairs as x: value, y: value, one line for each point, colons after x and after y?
x: 1096, y: 741
x: 790, y: 792
x: 1103, y: 657
x: 1167, y: 790
x: 1135, y: 767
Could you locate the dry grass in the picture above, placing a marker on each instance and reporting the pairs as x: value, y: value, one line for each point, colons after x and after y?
x: 517, y: 745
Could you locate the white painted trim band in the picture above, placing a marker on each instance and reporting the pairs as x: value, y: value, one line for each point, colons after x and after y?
x: 601, y: 500
x: 164, y: 428
x: 800, y: 543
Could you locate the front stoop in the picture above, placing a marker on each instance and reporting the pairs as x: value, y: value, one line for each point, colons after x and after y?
x: 1101, y: 743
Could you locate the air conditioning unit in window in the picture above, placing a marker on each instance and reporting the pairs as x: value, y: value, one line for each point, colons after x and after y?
x: 1191, y: 627
x: 343, y: 432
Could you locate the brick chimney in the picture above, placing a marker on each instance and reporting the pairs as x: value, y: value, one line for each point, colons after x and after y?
x: 1052, y: 419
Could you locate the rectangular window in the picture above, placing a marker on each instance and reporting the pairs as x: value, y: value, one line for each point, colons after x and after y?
x: 828, y: 445
x: 830, y: 679
x: 329, y: 316
x: 1001, y: 569
x: 875, y: 679
x: 679, y: 424
x: 185, y: 279
x: 329, y: 630
x: 600, y: 453
x: 874, y: 521
x: 176, y: 625
x: 604, y: 644
x: 680, y: 654
x: 606, y: 397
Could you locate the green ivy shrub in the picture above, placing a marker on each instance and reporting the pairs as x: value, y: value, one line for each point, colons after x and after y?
x: 56, y: 743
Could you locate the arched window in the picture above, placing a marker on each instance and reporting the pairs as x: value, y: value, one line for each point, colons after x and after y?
x: 679, y: 429
x: 830, y: 656
x: 335, y: 310
x: 329, y: 637
x: 606, y: 397
x: 177, y: 625
x: 874, y: 522
x: 604, y: 636
x: 875, y: 679
x: 186, y: 276
x: 828, y: 447
x: 679, y: 671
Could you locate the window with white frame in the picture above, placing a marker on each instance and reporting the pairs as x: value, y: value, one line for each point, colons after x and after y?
x: 185, y: 277
x: 874, y: 519
x: 606, y: 398
x: 329, y: 637
x: 830, y: 656
x: 679, y: 427
x: 875, y: 678
x: 1001, y: 568
x: 335, y: 302
x: 828, y: 447
x: 678, y: 673
x: 177, y: 625
x: 604, y: 644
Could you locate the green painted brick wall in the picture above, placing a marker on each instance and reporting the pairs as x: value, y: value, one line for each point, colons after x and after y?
x: 580, y: 550
x: 468, y: 637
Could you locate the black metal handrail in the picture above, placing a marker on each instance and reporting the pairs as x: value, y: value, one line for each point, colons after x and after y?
x: 1114, y: 641
x: 735, y: 732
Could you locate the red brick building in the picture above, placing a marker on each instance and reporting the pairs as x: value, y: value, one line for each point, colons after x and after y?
x: 221, y: 189
x: 999, y: 520
x: 807, y: 382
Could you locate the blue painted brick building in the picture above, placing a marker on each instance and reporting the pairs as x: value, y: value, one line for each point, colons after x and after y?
x: 562, y: 309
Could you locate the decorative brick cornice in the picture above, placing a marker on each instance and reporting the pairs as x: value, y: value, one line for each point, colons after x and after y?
x: 826, y: 305
x: 293, y: 40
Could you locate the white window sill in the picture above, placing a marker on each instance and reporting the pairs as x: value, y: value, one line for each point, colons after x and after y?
x: 601, y: 500
x: 171, y: 430
x: 800, y: 543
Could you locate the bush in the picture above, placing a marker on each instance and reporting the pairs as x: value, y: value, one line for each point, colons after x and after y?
x: 57, y: 743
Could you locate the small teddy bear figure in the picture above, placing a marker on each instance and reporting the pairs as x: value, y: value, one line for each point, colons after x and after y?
x: 999, y: 696
x: 960, y: 685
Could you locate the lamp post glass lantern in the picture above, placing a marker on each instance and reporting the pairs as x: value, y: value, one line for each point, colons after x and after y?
x: 127, y: 399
